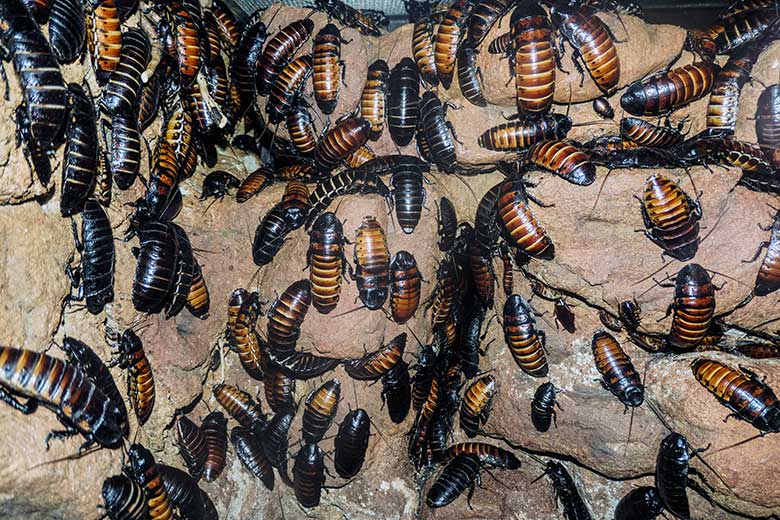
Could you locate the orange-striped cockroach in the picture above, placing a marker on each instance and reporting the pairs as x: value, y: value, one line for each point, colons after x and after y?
x: 254, y: 183
x: 671, y: 217
x: 405, y: 283
x: 422, y: 50
x: 124, y: 498
x: 476, y: 404
x: 320, y: 409
x: 279, y: 389
x: 532, y: 54
x: 563, y: 159
x: 124, y: 84
x: 328, y: 67
x: 187, y: 40
x: 214, y: 428
x: 372, y: 263
x: 286, y: 316
x: 448, y: 38
x: 523, y: 339
x: 300, y: 126
x: 295, y: 204
x: 723, y: 106
x: 519, y: 222
x: 618, y: 373
x: 198, y: 301
x: 326, y: 261
x: 518, y: 135
x: 645, y: 133
x: 444, y: 293
x: 482, y: 274
x: 104, y: 38
x: 733, y: 32
x: 768, y: 277
x: 668, y: 91
x: 279, y: 51
x: 360, y: 157
x: 143, y: 469
x: 238, y: 404
x: 374, y: 365
x: 341, y: 141
x: 484, y: 16
x: 226, y: 21
x: 140, y: 380
x: 374, y: 96
x: 693, y: 307
x: 287, y: 88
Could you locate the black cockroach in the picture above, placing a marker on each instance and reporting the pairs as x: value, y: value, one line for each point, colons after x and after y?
x: 286, y: 316
x: 326, y: 261
x: 630, y: 314
x: 733, y: 32
x: 97, y: 257
x: 214, y: 428
x: 148, y: 101
x: 518, y: 135
x: 185, y: 494
x: 269, y: 236
x: 768, y: 277
x: 671, y: 474
x: 642, y: 503
x: 372, y: 263
x: 373, y: 99
x: 144, y: 470
x: 768, y: 117
x: 39, y: 9
x: 397, y: 391
x: 592, y: 41
x: 602, y: 107
x: 426, y: 370
x: 140, y: 379
x: 444, y: 294
x: 563, y: 159
x: 482, y: 273
x: 476, y: 405
x: 193, y: 447
x: 374, y: 365
x: 104, y: 37
x: 523, y: 339
x: 566, y: 492
x: 253, y: 184
x: 501, y: 44
x: 459, y: 474
x: 668, y: 91
x: 377, y: 16
x: 645, y: 133
x: 244, y: 64
x: 422, y: 50
x: 405, y: 287
x: 419, y: 435
x: 351, y: 443
x: 469, y: 76
x: 185, y: 267
x: 124, y: 84
x: 671, y: 217
x: 447, y: 224
x: 341, y: 141
x: 124, y: 499
x: 125, y: 150
x: 347, y: 182
x: 618, y: 373
x: 328, y: 67
x: 156, y: 267
x: 279, y: 389
x: 104, y: 183
x: 79, y: 170
x: 226, y: 21
x: 287, y: 87
x: 279, y: 51
x: 217, y: 184
x: 187, y: 41
x: 438, y: 131
x: 198, y: 301
x: 723, y: 106
x: 295, y: 204
x: 305, y: 365
x: 350, y: 17
x: 320, y: 409
x: 249, y: 450
x: 533, y: 58
x: 564, y: 316
x: 274, y: 438
x: 213, y: 41
x: 487, y: 454
x: 309, y: 475
x: 484, y: 16
x: 543, y: 407
x: 519, y: 222
x: 741, y: 392
x: 403, y: 100
x: 693, y: 307
x: 238, y: 404
x: 300, y: 126
x: 67, y: 30
x: 408, y: 193
x: 471, y: 337
x: 448, y: 38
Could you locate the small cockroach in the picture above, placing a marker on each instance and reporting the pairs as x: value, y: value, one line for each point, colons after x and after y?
x: 543, y: 405
x: 217, y: 184
x: 603, y: 108
x: 476, y: 405
x: 279, y: 389
x: 566, y: 492
x: 447, y: 223
x: 563, y: 159
x: 645, y: 133
x: 523, y: 339
x: 140, y: 379
x: 642, y: 503
x: 693, y: 307
x: 279, y: 51
x: 405, y: 287
x: 253, y: 184
x: 214, y: 428
x: 373, y: 365
x: 269, y: 236
x: 286, y: 316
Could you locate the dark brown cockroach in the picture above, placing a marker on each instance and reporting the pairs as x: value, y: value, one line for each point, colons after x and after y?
x: 104, y: 38
x: 39, y: 9
x: 206, y: 113
x: 533, y: 58
x: 397, y: 391
x: 405, y: 287
x: 238, y: 404
x: 286, y: 316
x: 187, y: 39
x: 671, y: 474
x: 374, y: 365
x: 300, y: 126
x: 723, y: 106
x: 348, y: 16
x: 236, y: 300
x: 476, y: 405
x: 295, y: 172
x: 185, y: 495
x: 566, y: 492
x: 326, y: 261
x: 668, y: 91
x: 518, y: 135
x: 217, y: 184
x: 143, y: 469
x: 418, y: 438
x: 80, y: 162
x: 469, y: 76
x: 422, y: 50
x: 244, y: 64
x: 124, y: 498
x: 403, y: 99
x: 274, y: 438
x: 645, y: 133
x: 523, y: 339
x: 319, y: 410
x: 448, y: 37
x: 642, y: 503
x: 214, y: 428
x: 741, y: 392
x: 519, y: 222
x: 482, y: 274
x: 249, y: 449
x: 693, y: 307
x: 254, y: 183
x: 447, y: 223
x: 501, y: 44
x: 214, y: 38
x: 758, y: 350
x: 148, y: 101
x: 372, y: 263
x: 305, y: 365
x: 360, y: 157
x: 373, y: 99
x: 155, y: 268
x: 487, y: 454
x: 618, y: 373
x: 287, y: 87
x: 564, y: 316
x: 733, y: 32
x: 140, y: 379
x: 295, y: 204
x: 226, y: 21
x: 67, y: 30
x: 341, y: 141
x: 671, y: 217
x: 243, y: 339
x: 351, y: 443
x: 124, y: 83
x: 610, y: 321
x: 459, y: 474
x: 602, y: 107
x: 309, y: 475
x: 97, y: 258
x: 630, y: 314
x: 444, y: 293
x: 125, y: 150
x: 438, y: 131
x: 328, y: 67
x: 592, y: 41
x: 768, y: 117
x: 484, y: 16
x: 507, y: 277
x: 563, y: 159
x: 192, y: 445
x: 269, y: 236
x: 408, y: 191
x: 198, y: 300
x: 279, y: 389
x: 543, y: 407
x: 279, y: 51
x: 768, y: 277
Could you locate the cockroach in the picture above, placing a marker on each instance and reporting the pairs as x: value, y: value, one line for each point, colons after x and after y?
x: 469, y: 76
x: 476, y: 405
x: 287, y: 87
x: 668, y: 91
x: 447, y: 223
x: 423, y: 51
x: 519, y: 222
x: 279, y: 389
x: 286, y: 316
x: 103, y: 181
x: 198, y: 301
x: 733, y: 32
x: 438, y: 131
x: 532, y: 54
x: 484, y: 16
x: 564, y: 316
x: 403, y: 99
x: 274, y: 438
x: 214, y: 428
x: 418, y: 436
x: 349, y: 16
x: 642, y: 503
x: 448, y: 37
x: 405, y: 287
x: 140, y: 379
x: 213, y: 41
x: 309, y: 475
x: 444, y: 294
x: 125, y: 150
x: 236, y: 300
x: 610, y: 321
x: 487, y: 454
x: 148, y: 101
x: 758, y: 350
x: 723, y: 106
x: 97, y: 257
x: 124, y: 83
x: 523, y: 339
x: 618, y: 373
x: 104, y: 38
x: 253, y: 184
x: 347, y: 182
x: 630, y: 314
x: 244, y: 340
x: 192, y: 445
x: 408, y: 193
x: 768, y: 277
x: 155, y: 268
x: 293, y: 172
x: 602, y: 107
x: 693, y: 307
x: 305, y: 365
x: 377, y: 16
x: 339, y: 142
x: 486, y: 227
x: 187, y: 39
x: 592, y: 41
x: 328, y: 67
x: 269, y: 236
x: 671, y: 474
x: 359, y: 157
x: 645, y: 133
x: 566, y: 492
x: 482, y: 274
x: 459, y: 474
x: 245, y: 62
x: 374, y: 365
x: 373, y: 99
x: 67, y: 30
x: 295, y: 204
x: 397, y: 391
x: 501, y: 44
x: 768, y: 117
x: 226, y: 21
x: 471, y: 337
x: 741, y: 392
x: 426, y: 370
x: 185, y: 495
x: 206, y: 116
x: 80, y: 161
x: 507, y: 277
x: 372, y: 263
x: 217, y: 184
x: 320, y: 409
x: 279, y: 51
x: 326, y: 261
x: 143, y: 469
x: 39, y: 9
x: 519, y: 135
x: 671, y: 218
x: 238, y: 404
x: 124, y: 499
x: 300, y: 126
x: 351, y: 443
x: 249, y: 450
x: 543, y: 407
x: 563, y: 159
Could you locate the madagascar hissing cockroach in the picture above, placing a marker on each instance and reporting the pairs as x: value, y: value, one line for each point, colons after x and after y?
x: 124, y: 499
x: 543, y: 407
x: 418, y: 436
x: 758, y: 350
x: 326, y: 261
x: 97, y: 257
x: 447, y: 223
x: 532, y: 58
x: 668, y: 91
x: 618, y: 373
x: 140, y: 379
x: 351, y: 443
x: 593, y: 43
x: 443, y: 297
x: 405, y: 287
x: 279, y: 389
x: 484, y: 16
x: 470, y: 76
x: 286, y: 316
x: 372, y: 263
x: 309, y: 475
x: 148, y: 100
x: 226, y: 22
x: 518, y: 135
x: 253, y: 184
x: 610, y: 321
x: 319, y: 410
x: 408, y: 192
x: 423, y: 52
x: 67, y: 30
x: 300, y: 126
x: 733, y: 32
x: 39, y: 9
x: 471, y: 336
x: 671, y: 217
x: 295, y: 204
x: 185, y: 495
x: 671, y: 474
x: 564, y: 316
x: 238, y: 404
x: 642, y: 503
x: 287, y: 88
x: 519, y: 222
x: 125, y: 150
x: 198, y: 301
x: 305, y: 365
x: 438, y: 131
x: 346, y: 182
x: 244, y: 63
x: 566, y: 492
x: 741, y: 392
x: 214, y: 428
x: 630, y: 314
x: 143, y: 469
x: 341, y: 141
x: 768, y: 117
x: 249, y: 450
x: 487, y: 454
x: 486, y: 226
x: 693, y: 307
x: 397, y: 391
x: 80, y: 162
x: 124, y: 83
x: 448, y: 38
x: 459, y: 474
x: 482, y: 274
x: 563, y: 159
x: 243, y: 339
x: 279, y: 51
x: 269, y: 236
x: 645, y: 133
x: 373, y: 99
x: 602, y: 107
x: 104, y: 37
x: 501, y: 44
x: 217, y: 184
x: 376, y: 364
x: 275, y: 442
x: 476, y: 405
x: 403, y: 99
x: 156, y: 267
x: 768, y: 277
x: 193, y: 447
x: 187, y: 38
x: 328, y: 67
x: 723, y: 106
x: 523, y: 339
x: 349, y: 16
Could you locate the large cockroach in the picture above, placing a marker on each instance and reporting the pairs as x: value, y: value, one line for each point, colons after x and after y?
x: 79, y: 170
x: 372, y: 263
x: 645, y: 133
x: 275, y: 442
x: 444, y: 293
x: 459, y: 474
x: 144, y: 470
x: 438, y: 131
x: 418, y: 438
x: 185, y: 266
x: 269, y: 236
x: 523, y: 339
x: 447, y: 223
x: 279, y: 389
x: 140, y: 379
x: 351, y: 443
x: 476, y: 405
x: 238, y: 404
x: 326, y: 261
x: 320, y: 409
x: 347, y: 182
x: 563, y: 159
x: 768, y: 117
x: 156, y: 267
x: 533, y: 58
x: 671, y: 217
x: 566, y: 492
x: 642, y: 503
x: 340, y: 142
x: 618, y: 373
x: 448, y: 38
x: 668, y: 91
x: 193, y: 447
x: 733, y: 32
x: 286, y: 316
x: 397, y: 391
x: 693, y: 307
x: 469, y: 76
x: 244, y: 64
x: 185, y: 495
x: 484, y: 16
x: 67, y: 29
x: 300, y: 126
x: 287, y: 87
x: 104, y: 38
x: 226, y: 21
x: 187, y: 41
x: 124, y: 84
x: 39, y: 9
x: 768, y: 277
x: 328, y: 67
x: 295, y: 204
x: 235, y: 302
x: 405, y: 287
x: 408, y: 192
x: 723, y: 106
x: 374, y: 365
x: 253, y: 184
x: 97, y: 257
x: 249, y: 450
x: 279, y: 51
x: 741, y: 392
x: 214, y: 428
x: 125, y: 150
x: 543, y: 405
x: 519, y: 222
x: 309, y: 475
x: 518, y: 135
x: 403, y: 100
x: 305, y: 365
x: 373, y: 99
x: 593, y: 43
x: 486, y: 226
x: 124, y: 499
x: 359, y: 157
x: 423, y: 51
x: 671, y: 474
x: 487, y: 454
x: 198, y: 300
